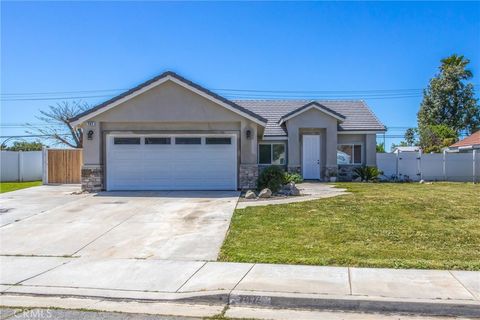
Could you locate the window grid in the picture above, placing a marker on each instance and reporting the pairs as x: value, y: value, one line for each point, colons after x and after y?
x: 353, y: 146
x: 271, y: 153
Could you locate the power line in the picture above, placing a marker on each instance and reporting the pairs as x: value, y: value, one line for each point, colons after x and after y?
x: 353, y: 97
x: 228, y: 90
x: 34, y: 135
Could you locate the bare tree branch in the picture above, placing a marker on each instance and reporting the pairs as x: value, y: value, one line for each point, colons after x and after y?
x: 57, y: 126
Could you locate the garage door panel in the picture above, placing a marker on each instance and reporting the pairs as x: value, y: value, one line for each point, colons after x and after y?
x: 171, y: 166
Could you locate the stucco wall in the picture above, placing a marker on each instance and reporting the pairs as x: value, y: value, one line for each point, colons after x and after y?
x: 169, y: 108
x: 312, y: 121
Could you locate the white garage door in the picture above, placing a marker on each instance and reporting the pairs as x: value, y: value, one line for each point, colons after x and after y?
x: 174, y: 162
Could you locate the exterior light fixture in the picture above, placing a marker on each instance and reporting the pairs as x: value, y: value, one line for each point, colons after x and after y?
x: 248, y: 133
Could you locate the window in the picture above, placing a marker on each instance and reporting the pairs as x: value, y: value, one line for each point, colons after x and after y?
x: 157, y: 141
x: 188, y: 140
x: 349, y: 154
x: 126, y: 140
x: 218, y: 140
x: 271, y: 153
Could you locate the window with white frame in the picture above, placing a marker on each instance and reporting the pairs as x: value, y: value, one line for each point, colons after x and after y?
x: 349, y: 153
x: 271, y: 153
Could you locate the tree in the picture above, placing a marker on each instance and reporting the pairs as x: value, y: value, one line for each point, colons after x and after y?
x: 381, y: 147
x: 24, y: 146
x: 410, y: 137
x: 436, y: 137
x: 449, y: 100
x: 57, y: 126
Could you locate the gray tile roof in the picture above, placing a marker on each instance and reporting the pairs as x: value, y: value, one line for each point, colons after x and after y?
x: 358, y: 116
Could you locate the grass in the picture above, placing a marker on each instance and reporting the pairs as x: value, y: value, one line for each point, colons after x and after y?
x: 12, y: 186
x: 410, y: 225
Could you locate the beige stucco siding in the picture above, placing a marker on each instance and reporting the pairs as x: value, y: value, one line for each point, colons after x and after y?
x: 312, y: 121
x: 169, y: 107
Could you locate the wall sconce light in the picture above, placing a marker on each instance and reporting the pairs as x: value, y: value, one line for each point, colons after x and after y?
x: 90, y: 135
x: 248, y: 133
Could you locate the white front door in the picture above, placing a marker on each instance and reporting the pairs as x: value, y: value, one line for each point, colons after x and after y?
x: 311, y: 157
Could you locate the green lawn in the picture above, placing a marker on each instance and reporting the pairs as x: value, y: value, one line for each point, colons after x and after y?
x: 408, y: 225
x: 12, y: 186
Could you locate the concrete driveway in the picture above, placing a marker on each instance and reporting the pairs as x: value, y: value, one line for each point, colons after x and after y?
x: 176, y: 225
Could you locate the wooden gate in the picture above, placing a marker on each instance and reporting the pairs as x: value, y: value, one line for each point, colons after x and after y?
x: 64, y: 165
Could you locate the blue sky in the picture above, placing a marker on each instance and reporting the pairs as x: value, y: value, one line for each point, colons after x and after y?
x: 321, y: 46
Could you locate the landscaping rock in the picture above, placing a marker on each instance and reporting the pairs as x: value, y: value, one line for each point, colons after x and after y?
x: 290, y: 189
x: 421, y: 181
x: 294, y: 191
x: 265, y: 193
x: 250, y: 195
x: 358, y: 179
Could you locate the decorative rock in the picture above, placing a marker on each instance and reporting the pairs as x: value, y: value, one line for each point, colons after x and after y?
x: 265, y: 193
x: 294, y: 191
x: 250, y: 195
x: 358, y: 179
x: 421, y: 181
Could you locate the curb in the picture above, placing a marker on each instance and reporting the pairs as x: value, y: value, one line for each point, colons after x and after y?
x: 457, y: 308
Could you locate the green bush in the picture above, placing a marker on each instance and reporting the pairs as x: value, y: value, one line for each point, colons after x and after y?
x: 292, y: 177
x: 272, y: 178
x: 368, y: 173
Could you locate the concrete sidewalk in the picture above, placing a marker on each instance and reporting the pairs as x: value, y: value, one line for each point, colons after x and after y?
x: 434, y: 292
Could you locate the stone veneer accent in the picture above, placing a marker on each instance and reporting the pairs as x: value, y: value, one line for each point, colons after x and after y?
x: 92, y: 178
x: 295, y: 169
x: 345, y: 172
x: 248, y: 176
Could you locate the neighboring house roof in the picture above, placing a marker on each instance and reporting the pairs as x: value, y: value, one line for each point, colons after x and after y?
x: 353, y: 115
x: 357, y: 116
x: 472, y: 141
x: 156, y: 81
x: 406, y: 149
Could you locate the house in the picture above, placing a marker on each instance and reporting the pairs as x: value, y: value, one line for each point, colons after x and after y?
x: 406, y: 149
x: 470, y: 143
x: 172, y: 134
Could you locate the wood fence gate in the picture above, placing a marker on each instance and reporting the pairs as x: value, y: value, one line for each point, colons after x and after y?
x: 63, y: 165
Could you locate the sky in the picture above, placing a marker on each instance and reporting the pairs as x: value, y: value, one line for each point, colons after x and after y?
x: 375, y: 51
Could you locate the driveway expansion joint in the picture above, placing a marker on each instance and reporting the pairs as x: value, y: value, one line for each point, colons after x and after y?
x: 193, y: 274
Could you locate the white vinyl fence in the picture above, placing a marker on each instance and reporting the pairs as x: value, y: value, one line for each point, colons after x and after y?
x: 436, y: 166
x: 21, y: 165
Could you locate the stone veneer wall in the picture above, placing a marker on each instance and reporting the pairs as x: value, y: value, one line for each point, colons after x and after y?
x: 248, y: 176
x: 345, y: 172
x: 295, y: 169
x: 92, y: 178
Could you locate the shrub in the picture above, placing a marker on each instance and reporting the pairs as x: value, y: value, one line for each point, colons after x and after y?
x: 272, y: 178
x: 368, y: 173
x: 292, y: 177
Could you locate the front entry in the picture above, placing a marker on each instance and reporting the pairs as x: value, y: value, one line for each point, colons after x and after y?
x: 311, y: 157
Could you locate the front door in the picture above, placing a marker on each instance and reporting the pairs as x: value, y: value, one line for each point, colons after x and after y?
x: 311, y: 157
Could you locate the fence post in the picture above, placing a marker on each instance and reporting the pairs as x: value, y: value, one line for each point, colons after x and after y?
x: 45, y: 165
x: 419, y: 164
x: 20, y: 166
x: 474, y: 165
x: 444, y: 165
x: 396, y: 162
